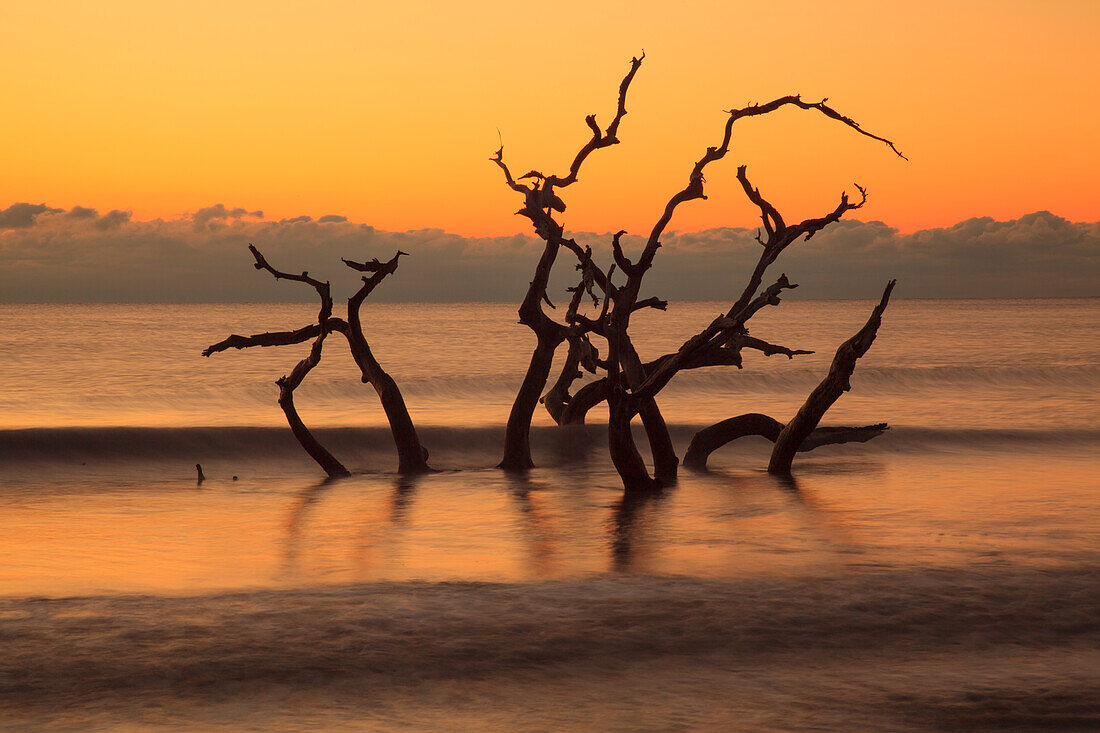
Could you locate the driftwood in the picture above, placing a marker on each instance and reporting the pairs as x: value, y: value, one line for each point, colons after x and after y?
x: 540, y: 202
x: 631, y: 385
x: 289, y: 383
x: 627, y: 388
x: 801, y: 434
x: 412, y: 457
x: 710, y: 439
x: 628, y: 383
x: 836, y: 383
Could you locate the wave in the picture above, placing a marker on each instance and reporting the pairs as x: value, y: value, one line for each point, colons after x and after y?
x: 470, y: 446
x: 389, y: 634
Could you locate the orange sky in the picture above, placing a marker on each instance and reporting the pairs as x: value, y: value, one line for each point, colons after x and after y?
x: 387, y: 113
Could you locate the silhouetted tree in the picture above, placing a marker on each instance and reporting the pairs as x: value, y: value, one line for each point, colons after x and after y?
x: 412, y: 457
x: 629, y: 385
x: 540, y: 203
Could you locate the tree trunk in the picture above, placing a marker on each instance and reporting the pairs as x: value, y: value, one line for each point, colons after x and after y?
x: 316, y: 451
x: 412, y: 457
x: 665, y: 460
x: 287, y: 385
x: 624, y: 452
x: 517, y: 438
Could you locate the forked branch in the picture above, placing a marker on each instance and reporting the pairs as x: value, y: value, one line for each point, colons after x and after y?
x: 289, y: 383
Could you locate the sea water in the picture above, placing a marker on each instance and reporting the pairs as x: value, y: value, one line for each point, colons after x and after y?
x: 942, y: 576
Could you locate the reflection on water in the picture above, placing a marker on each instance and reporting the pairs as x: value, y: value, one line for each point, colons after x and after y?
x: 879, y: 590
x: 851, y: 509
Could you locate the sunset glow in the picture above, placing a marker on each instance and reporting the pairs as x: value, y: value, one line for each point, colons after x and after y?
x: 574, y: 366
x: 387, y: 114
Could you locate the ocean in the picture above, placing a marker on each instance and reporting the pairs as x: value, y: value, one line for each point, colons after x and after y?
x: 943, y: 576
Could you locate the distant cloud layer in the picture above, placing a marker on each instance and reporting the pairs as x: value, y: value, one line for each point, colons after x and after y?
x: 50, y: 254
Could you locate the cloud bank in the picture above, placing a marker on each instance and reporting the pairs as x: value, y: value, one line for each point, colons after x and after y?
x: 51, y: 254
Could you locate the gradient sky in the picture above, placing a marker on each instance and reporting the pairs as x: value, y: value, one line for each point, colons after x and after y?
x: 387, y: 113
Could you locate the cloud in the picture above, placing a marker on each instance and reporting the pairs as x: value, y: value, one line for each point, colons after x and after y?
x: 113, y: 219
x: 20, y: 216
x: 202, y: 218
x: 82, y: 212
x: 53, y: 255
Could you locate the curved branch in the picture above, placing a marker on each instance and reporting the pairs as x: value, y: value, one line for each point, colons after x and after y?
x: 796, y: 100
x: 745, y: 341
x: 556, y: 399
x: 262, y: 264
x: 694, y: 188
x: 287, y: 384
x: 710, y: 439
x: 498, y: 158
x: 780, y: 236
x: 823, y: 396
x: 380, y: 271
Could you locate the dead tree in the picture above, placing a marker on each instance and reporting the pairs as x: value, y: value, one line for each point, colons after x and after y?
x: 836, y: 383
x: 801, y: 434
x: 540, y: 203
x: 412, y: 457
x: 711, y: 438
x: 630, y: 385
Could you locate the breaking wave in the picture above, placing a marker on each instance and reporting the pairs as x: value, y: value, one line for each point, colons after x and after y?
x: 125, y: 443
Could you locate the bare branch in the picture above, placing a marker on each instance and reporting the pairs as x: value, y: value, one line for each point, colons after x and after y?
x: 769, y: 297
x: 270, y: 338
x: 375, y: 265
x: 768, y: 213
x: 694, y: 189
x: 653, y: 302
x: 721, y: 326
x: 600, y: 139
x: 810, y: 227
x: 262, y: 264
x: 379, y: 269
x: 835, y: 383
x: 779, y: 235
x: 617, y: 251
x: 744, y: 341
x: 287, y: 384
x: 796, y: 100
x: 581, y: 354
x: 710, y: 439
x: 498, y: 158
